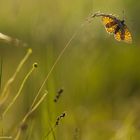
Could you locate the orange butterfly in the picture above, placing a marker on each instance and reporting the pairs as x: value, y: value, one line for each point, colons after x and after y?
x: 116, y: 26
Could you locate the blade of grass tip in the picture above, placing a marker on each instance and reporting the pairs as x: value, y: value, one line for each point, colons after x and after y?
x: 38, y: 103
x: 20, y: 89
x: 5, y: 38
x: 5, y: 92
x: 28, y: 114
x: 11, y: 40
x: 57, y: 60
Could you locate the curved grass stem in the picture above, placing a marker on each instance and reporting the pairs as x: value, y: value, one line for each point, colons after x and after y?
x: 20, y: 89
x: 23, y: 122
x: 6, y: 89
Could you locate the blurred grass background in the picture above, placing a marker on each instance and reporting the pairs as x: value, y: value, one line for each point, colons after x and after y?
x: 100, y: 76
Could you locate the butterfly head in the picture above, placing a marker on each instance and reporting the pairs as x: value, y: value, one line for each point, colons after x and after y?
x: 122, y: 21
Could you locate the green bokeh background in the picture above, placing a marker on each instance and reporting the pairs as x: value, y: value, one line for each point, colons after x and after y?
x: 100, y: 76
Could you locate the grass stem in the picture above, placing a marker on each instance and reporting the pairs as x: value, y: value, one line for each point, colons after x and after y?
x: 6, y: 89
x: 20, y: 89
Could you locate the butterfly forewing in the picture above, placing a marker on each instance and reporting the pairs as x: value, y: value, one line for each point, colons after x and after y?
x: 109, y: 23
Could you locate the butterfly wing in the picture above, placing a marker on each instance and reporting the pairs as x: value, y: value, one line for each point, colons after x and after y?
x: 110, y: 23
x: 118, y: 35
x: 128, y: 36
x: 123, y: 34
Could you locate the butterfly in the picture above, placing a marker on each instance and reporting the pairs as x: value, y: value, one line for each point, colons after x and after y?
x: 115, y: 26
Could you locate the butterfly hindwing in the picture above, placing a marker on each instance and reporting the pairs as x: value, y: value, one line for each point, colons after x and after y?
x: 123, y: 34
x: 128, y: 37
x: 117, y: 35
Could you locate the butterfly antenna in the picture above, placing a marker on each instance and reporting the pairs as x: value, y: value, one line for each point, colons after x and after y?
x: 124, y: 17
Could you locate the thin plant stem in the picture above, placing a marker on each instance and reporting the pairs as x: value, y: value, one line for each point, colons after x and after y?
x: 50, y: 125
x: 51, y: 130
x: 20, y: 89
x: 18, y: 134
x: 55, y: 125
x: 28, y: 114
x: 1, y: 63
x: 5, y: 91
x: 30, y: 130
x: 56, y: 61
x: 6, y: 137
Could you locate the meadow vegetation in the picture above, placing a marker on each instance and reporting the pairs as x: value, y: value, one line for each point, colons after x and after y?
x: 62, y: 77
